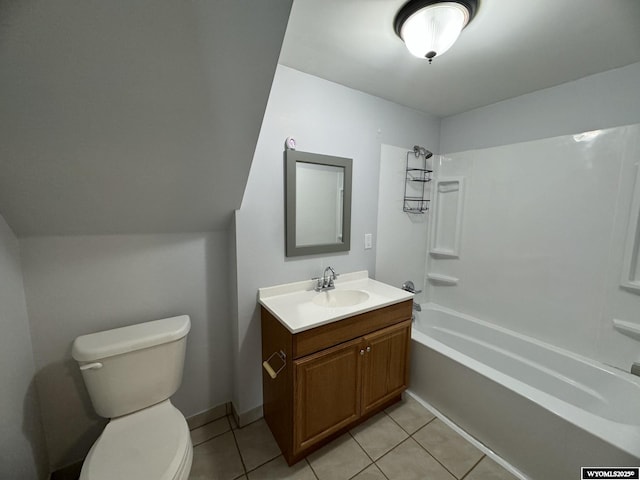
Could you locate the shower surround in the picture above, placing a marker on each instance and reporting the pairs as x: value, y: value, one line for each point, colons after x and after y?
x: 542, y: 235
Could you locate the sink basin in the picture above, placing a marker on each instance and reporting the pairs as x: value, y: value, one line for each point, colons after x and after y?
x: 340, y: 298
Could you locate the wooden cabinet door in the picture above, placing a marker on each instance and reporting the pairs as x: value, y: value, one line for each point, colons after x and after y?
x: 386, y: 365
x: 327, y: 392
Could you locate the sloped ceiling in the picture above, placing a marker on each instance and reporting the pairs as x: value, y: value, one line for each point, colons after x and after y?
x: 131, y: 116
x: 511, y: 47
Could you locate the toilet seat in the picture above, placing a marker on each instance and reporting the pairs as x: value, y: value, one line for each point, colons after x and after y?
x: 150, y: 444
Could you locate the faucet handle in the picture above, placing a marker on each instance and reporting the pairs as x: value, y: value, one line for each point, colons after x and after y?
x: 319, y: 283
x: 410, y: 287
x: 332, y: 277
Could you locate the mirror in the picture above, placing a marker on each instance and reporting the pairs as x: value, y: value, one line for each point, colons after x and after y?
x: 318, y: 203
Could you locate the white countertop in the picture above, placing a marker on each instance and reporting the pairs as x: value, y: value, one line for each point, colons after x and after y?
x: 292, y: 303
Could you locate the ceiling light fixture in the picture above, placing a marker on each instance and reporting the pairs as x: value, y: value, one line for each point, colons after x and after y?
x: 430, y: 28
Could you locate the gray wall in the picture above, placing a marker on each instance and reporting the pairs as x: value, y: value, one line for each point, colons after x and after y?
x: 326, y: 118
x: 604, y: 100
x: 22, y: 452
x: 83, y: 284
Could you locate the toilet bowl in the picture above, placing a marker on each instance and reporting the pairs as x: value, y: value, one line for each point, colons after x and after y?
x: 130, y: 373
x: 153, y: 443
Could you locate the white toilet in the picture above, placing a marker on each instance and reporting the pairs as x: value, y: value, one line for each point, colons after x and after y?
x: 130, y: 374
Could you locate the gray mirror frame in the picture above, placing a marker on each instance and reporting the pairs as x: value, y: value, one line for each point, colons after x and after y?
x: 291, y: 157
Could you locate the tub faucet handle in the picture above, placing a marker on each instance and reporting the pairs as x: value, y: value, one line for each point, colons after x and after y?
x: 408, y: 286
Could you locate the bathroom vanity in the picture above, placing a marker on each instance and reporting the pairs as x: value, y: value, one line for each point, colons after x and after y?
x: 331, y: 358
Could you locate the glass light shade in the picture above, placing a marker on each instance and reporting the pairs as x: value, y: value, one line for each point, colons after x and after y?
x: 434, y: 28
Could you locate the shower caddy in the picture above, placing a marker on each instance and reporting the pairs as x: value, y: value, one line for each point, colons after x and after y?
x: 415, y: 200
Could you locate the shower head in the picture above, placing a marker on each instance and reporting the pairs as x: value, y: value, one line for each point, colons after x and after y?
x: 418, y: 150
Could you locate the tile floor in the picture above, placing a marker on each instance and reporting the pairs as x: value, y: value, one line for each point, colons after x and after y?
x: 402, y: 443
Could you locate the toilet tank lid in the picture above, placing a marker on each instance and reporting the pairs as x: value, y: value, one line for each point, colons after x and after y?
x: 94, y: 346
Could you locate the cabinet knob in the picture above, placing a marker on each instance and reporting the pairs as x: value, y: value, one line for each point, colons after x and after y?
x: 368, y: 349
x: 361, y: 351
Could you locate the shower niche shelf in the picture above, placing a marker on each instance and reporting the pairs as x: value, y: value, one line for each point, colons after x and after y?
x: 440, y: 279
x: 448, y: 195
x: 416, y: 178
x: 631, y: 263
x: 627, y: 328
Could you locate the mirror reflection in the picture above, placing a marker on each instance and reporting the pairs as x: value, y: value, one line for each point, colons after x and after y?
x: 318, y: 203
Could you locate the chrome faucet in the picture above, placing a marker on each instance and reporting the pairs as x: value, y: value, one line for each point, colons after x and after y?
x: 408, y: 286
x: 326, y: 282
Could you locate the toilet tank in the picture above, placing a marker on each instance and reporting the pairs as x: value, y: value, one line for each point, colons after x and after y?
x: 130, y: 368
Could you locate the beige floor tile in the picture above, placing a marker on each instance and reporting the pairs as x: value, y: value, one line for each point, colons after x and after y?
x: 378, y: 435
x: 217, y: 458
x: 339, y: 460
x: 372, y: 472
x: 487, y: 469
x: 453, y: 451
x: 256, y: 443
x: 278, y: 469
x: 409, y: 461
x: 210, y: 430
x: 409, y: 414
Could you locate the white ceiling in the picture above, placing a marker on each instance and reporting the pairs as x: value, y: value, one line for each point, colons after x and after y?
x: 511, y: 47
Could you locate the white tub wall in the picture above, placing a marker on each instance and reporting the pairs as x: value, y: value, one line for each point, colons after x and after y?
x: 574, y: 264
x: 83, y: 284
x: 612, y: 346
x: 401, y: 250
x: 539, y: 233
x: 22, y: 447
x: 325, y: 118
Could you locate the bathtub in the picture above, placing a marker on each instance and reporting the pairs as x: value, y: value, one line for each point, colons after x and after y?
x: 543, y: 410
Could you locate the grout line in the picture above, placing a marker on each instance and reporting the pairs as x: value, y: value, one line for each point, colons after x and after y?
x: 474, y: 466
x: 361, y: 447
x: 406, y: 439
x: 264, y: 463
x: 382, y: 471
x: 394, y: 421
x: 434, y: 417
x: 311, y: 468
x: 215, y: 436
x: 374, y: 461
x: 358, y: 473
x: 433, y: 456
x: 407, y: 432
x: 244, y: 467
x: 246, y: 470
